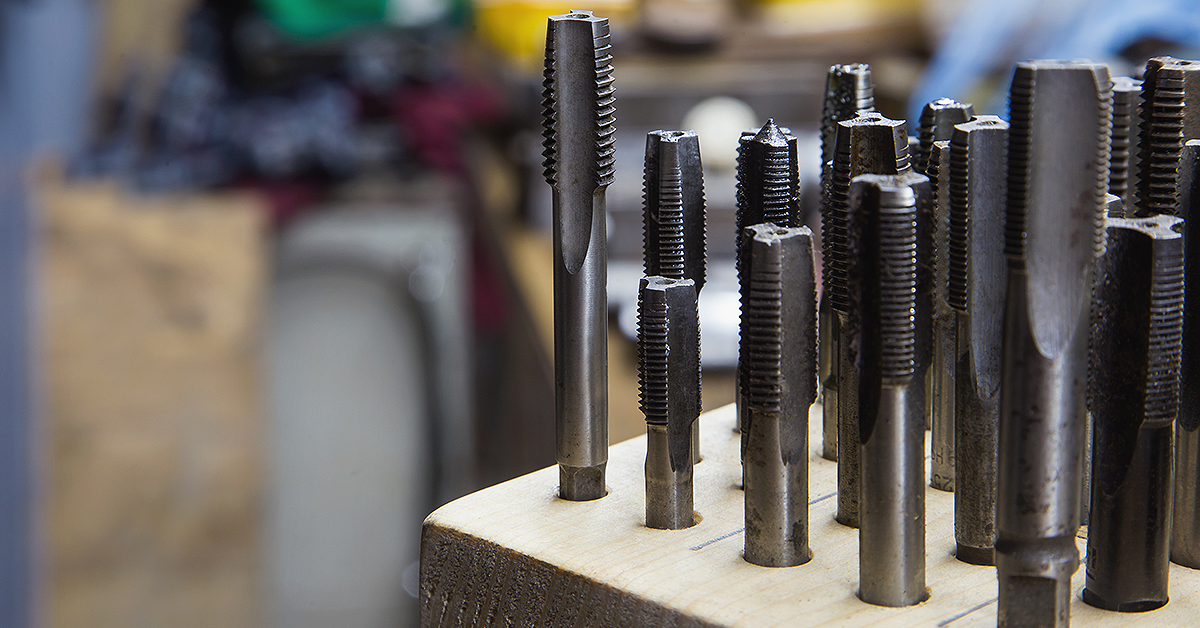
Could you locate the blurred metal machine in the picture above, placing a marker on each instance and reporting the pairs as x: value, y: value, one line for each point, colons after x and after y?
x: 371, y: 408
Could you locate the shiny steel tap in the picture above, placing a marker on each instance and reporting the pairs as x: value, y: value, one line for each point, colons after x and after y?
x: 883, y: 287
x: 578, y: 127
x: 1061, y: 119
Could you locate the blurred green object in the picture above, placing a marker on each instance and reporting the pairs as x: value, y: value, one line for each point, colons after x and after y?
x: 317, y: 18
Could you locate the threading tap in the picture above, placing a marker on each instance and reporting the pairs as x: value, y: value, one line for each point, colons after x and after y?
x: 937, y: 124
x: 866, y: 144
x: 977, y: 274
x: 780, y: 383
x: 1122, y: 177
x: 1061, y: 120
x: 673, y: 196
x: 669, y: 385
x: 1137, y: 326
x: 768, y: 190
x: 1169, y: 88
x: 848, y: 90
x: 1185, y: 534
x: 883, y: 237
x: 945, y: 345
x: 673, y: 231
x: 578, y: 127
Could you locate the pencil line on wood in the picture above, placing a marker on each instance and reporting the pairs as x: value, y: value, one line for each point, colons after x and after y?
x: 966, y: 612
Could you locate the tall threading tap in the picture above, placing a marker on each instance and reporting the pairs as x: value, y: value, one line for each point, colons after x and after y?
x: 1061, y: 120
x: 937, y: 124
x: 866, y: 144
x: 768, y: 190
x: 848, y: 90
x: 1185, y: 534
x: 1122, y: 176
x: 977, y: 274
x: 945, y: 349
x: 883, y: 288
x: 1169, y: 87
x: 578, y: 127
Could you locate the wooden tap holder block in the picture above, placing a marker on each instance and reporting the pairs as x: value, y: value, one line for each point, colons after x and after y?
x: 517, y: 555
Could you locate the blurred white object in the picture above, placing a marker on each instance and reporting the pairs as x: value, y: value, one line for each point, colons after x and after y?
x: 718, y: 306
x: 719, y: 121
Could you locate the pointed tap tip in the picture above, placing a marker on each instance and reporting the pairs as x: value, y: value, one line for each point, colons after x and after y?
x: 771, y: 134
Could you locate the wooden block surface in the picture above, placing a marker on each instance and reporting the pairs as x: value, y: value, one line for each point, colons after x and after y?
x: 515, y: 554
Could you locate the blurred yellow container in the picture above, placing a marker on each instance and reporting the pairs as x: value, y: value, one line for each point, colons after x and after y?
x: 518, y: 29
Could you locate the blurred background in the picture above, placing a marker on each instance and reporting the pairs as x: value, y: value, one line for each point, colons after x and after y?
x: 275, y: 275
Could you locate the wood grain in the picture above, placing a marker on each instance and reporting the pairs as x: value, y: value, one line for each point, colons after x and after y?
x: 515, y: 554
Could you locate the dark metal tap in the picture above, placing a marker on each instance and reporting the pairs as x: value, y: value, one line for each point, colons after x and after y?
x: 578, y: 126
x: 866, y: 144
x: 780, y: 383
x: 1137, y: 324
x: 1122, y: 179
x: 669, y: 385
x: 945, y: 345
x: 768, y: 190
x: 673, y: 230
x: 1168, y: 88
x: 883, y: 285
x: 977, y: 274
x: 937, y: 124
x: 1061, y: 120
x: 848, y: 90
x: 1185, y: 534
